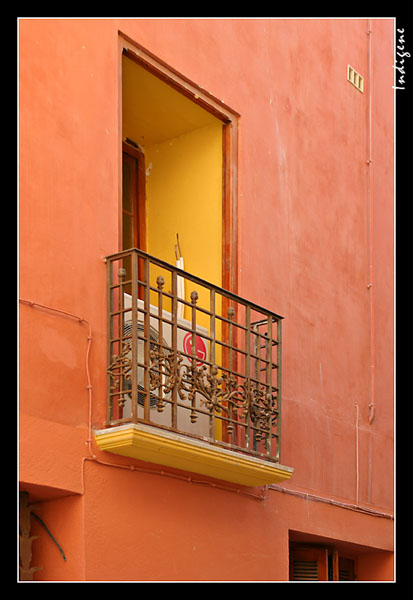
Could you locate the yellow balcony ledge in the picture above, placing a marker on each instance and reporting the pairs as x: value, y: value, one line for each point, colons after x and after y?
x: 169, y: 449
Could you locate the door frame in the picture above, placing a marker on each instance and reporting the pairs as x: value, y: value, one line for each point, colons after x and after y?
x: 229, y: 118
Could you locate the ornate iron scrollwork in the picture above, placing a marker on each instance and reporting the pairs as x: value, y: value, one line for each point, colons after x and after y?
x: 217, y: 393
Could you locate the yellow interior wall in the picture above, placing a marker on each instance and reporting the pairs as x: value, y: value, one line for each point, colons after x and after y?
x: 184, y: 197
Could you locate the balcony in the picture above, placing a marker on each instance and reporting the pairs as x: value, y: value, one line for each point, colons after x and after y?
x: 194, y: 374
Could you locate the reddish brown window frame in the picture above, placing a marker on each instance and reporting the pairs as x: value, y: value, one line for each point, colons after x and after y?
x: 229, y: 119
x: 332, y: 565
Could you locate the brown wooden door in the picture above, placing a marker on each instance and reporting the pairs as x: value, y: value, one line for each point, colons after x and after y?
x: 133, y: 206
x: 133, y: 198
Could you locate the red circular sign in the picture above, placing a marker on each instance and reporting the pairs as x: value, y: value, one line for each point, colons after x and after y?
x: 200, y: 348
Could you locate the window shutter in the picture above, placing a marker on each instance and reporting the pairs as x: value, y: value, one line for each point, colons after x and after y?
x: 346, y: 569
x: 305, y: 570
x: 309, y: 564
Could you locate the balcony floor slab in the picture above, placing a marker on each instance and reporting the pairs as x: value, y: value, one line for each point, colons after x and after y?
x: 154, y: 445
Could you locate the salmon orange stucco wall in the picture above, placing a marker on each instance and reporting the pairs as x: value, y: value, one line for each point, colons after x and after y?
x: 68, y: 205
x: 178, y: 530
x: 161, y: 528
x: 303, y: 221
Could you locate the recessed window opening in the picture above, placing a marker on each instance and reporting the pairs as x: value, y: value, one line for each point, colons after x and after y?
x: 178, y: 179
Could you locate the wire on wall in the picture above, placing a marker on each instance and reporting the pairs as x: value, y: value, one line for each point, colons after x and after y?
x: 261, y: 495
x: 131, y: 467
x: 370, y: 285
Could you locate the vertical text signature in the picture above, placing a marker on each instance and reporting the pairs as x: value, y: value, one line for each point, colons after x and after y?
x: 400, y: 58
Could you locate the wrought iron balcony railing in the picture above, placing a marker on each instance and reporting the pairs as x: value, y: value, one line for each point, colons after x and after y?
x: 208, y: 367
